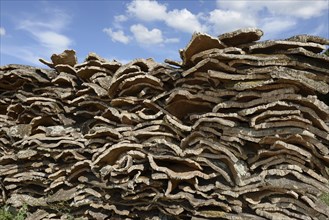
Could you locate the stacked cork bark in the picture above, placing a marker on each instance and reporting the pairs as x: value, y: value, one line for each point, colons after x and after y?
x: 235, y: 131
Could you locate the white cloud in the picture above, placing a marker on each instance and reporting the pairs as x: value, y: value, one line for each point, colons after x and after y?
x: 241, y: 5
x: 24, y: 53
x: 150, y: 10
x: 273, y: 26
x: 184, y: 20
x: 46, y: 29
x: 299, y: 9
x: 171, y: 40
x: 294, y: 8
x: 120, y: 18
x: 225, y: 21
x: 54, y: 41
x: 117, y: 36
x: 145, y: 36
x: 47, y: 33
x: 273, y: 17
x: 56, y: 20
x: 2, y: 31
x: 147, y: 10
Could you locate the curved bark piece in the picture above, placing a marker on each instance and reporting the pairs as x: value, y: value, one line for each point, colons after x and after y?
x: 270, y: 46
x: 309, y: 38
x: 241, y: 36
x: 198, y: 43
x: 131, y: 86
x: 67, y: 57
x: 182, y: 108
x: 65, y: 79
x: 208, y: 64
x: 178, y: 174
x: 111, y: 155
x: 87, y: 72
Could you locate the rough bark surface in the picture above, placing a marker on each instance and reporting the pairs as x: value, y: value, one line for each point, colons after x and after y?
x: 235, y: 131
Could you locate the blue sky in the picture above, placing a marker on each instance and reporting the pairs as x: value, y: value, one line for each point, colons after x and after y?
x: 125, y: 30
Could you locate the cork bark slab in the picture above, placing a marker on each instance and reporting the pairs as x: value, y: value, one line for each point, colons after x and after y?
x: 239, y: 129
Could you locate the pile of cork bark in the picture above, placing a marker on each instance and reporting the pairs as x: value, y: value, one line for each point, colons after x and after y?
x: 235, y: 131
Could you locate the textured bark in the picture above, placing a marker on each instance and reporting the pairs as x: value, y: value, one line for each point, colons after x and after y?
x: 236, y: 130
